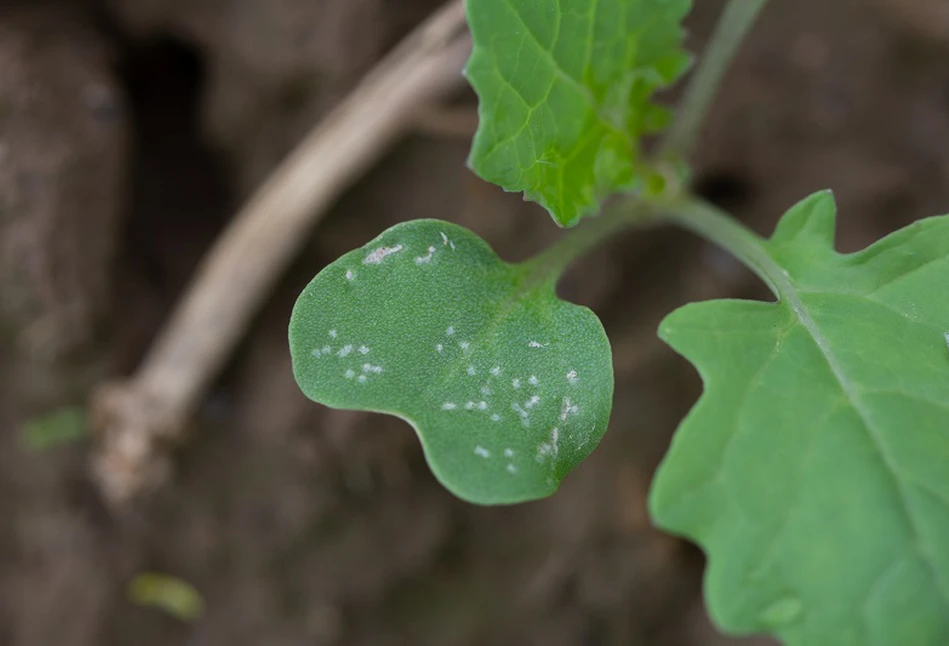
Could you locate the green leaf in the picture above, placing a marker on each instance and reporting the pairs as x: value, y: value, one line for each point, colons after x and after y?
x: 54, y: 429
x: 176, y: 597
x: 507, y: 386
x: 815, y: 468
x: 564, y: 90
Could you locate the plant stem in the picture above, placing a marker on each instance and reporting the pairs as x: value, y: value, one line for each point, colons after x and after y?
x: 735, y: 22
x: 550, y: 263
x: 691, y: 213
x: 731, y: 235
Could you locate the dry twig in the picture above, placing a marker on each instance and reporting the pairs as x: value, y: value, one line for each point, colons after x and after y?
x: 450, y: 122
x: 138, y: 418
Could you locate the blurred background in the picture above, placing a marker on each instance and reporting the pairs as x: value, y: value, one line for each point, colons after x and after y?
x: 131, y: 130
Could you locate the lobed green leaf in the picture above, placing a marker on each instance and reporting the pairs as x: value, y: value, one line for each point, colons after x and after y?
x: 564, y: 90
x: 507, y: 386
x: 815, y: 468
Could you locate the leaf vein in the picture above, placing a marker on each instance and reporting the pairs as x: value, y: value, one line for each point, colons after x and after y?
x: 788, y: 290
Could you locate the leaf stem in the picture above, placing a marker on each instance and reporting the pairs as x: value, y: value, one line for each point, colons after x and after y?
x: 691, y: 213
x: 549, y: 264
x: 722, y: 229
x: 736, y: 21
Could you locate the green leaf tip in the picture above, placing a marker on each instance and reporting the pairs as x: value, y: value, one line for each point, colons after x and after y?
x: 811, y: 222
x: 564, y: 90
x: 175, y: 596
x: 508, y: 387
x: 54, y: 429
x: 814, y: 470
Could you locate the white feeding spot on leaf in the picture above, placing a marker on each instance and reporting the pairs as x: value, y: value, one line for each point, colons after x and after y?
x: 464, y: 345
x: 439, y: 348
x: 551, y: 448
x: 533, y: 401
x: 572, y: 376
x: 525, y: 416
x: 450, y: 331
x: 516, y: 382
x: 482, y: 452
x: 327, y: 349
x: 536, y: 344
x: 509, y: 453
x: 427, y: 258
x: 496, y: 370
x: 947, y: 339
x: 482, y: 405
x: 332, y: 334
x: 368, y: 367
x: 568, y: 408
x: 469, y: 405
x: 345, y: 350
x: 316, y: 352
x: 472, y: 371
x: 362, y: 379
x: 350, y: 275
x: 449, y: 406
x: 363, y: 349
x: 350, y: 374
x: 533, y: 381
x: 447, y: 241
x: 511, y: 468
x: 485, y: 390
x: 378, y: 255
x: 495, y: 417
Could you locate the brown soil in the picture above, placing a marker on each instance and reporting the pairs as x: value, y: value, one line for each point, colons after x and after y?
x: 302, y: 525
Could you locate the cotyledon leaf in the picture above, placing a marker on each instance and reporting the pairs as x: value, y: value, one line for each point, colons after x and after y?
x: 507, y: 386
x: 815, y: 468
x: 564, y: 90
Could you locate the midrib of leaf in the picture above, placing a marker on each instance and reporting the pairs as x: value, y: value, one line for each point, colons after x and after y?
x: 750, y: 249
x: 562, y: 74
x: 787, y: 291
